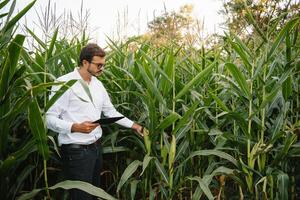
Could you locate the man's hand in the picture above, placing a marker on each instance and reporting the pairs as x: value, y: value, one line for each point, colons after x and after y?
x: 138, y: 128
x: 84, y: 127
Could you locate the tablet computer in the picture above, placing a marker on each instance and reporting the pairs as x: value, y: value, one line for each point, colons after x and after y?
x: 108, y: 120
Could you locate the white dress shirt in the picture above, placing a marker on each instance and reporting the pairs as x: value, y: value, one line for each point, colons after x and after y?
x: 75, y: 106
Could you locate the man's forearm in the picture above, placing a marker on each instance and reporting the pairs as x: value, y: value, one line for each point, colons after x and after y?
x: 84, y: 127
x: 58, y: 125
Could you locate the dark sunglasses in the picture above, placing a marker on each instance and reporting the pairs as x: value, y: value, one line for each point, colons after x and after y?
x: 99, y: 65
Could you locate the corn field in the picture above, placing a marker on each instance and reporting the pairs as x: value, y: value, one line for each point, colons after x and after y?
x: 223, y: 122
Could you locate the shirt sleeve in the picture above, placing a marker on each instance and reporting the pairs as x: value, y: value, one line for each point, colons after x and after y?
x: 54, y: 114
x: 109, y: 111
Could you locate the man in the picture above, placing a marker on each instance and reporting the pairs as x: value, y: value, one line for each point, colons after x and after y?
x: 73, y: 114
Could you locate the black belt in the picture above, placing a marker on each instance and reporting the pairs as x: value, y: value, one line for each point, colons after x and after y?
x: 82, y: 146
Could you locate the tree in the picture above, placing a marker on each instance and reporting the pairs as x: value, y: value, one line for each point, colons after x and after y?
x: 178, y: 27
x: 240, y: 13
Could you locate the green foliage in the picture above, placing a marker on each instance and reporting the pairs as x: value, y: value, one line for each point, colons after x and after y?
x: 177, y: 27
x: 241, y: 14
x: 235, y: 112
x: 222, y: 122
x: 67, y: 185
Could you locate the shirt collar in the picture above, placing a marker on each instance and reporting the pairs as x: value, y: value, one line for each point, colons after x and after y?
x: 76, y: 73
x: 78, y: 76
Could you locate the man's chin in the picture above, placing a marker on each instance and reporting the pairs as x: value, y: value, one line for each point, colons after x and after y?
x: 97, y: 73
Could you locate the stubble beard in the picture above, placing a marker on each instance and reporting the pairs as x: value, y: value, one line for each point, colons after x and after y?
x: 92, y: 73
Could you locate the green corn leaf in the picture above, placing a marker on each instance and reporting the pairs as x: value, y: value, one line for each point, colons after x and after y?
x: 280, y: 37
x: 39, y: 41
x: 3, y: 15
x: 32, y: 66
x: 10, y: 64
x: 14, y: 20
x: 183, y: 130
x: 29, y: 195
x: 283, y: 186
x: 181, y: 149
x: 17, y: 157
x: 128, y: 173
x: 67, y: 185
x: 282, y: 153
x: 162, y: 171
x: 150, y: 85
x: 152, y: 113
x: 209, y: 177
x: 168, y: 121
x: 163, y: 190
x: 38, y: 128
x: 22, y: 176
x: 152, y: 193
x: 250, y: 18
x: 23, y: 101
x: 169, y: 69
x: 277, y: 127
x: 114, y: 149
x: 116, y: 49
x: 210, y: 152
x: 243, y: 51
x: 269, y: 98
x: 203, y: 187
x: 287, y: 88
x: 146, y: 162
x: 9, y: 15
x: 241, y: 119
x: 288, y: 50
x: 59, y: 93
x: 133, y: 187
x: 186, y: 117
x: 2, y: 4
x: 197, y: 80
x: 40, y: 59
x: 51, y: 138
x: 262, y: 181
x: 155, y: 66
x: 243, y: 46
x: 243, y: 56
x: 240, y: 79
x: 51, y: 47
x: 61, y: 55
x: 219, y: 102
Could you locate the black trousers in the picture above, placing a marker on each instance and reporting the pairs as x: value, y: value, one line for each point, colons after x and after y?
x: 82, y: 163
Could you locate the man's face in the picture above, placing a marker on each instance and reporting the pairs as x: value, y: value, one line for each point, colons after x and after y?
x: 96, y: 66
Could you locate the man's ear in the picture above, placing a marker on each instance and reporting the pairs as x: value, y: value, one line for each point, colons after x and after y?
x: 85, y: 62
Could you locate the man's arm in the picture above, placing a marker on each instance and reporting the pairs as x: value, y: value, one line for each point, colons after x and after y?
x: 54, y: 113
x: 109, y: 111
x: 84, y: 127
x: 138, y: 129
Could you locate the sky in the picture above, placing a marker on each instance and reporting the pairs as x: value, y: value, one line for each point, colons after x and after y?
x: 103, y: 18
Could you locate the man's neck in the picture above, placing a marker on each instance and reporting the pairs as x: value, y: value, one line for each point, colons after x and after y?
x: 86, y: 76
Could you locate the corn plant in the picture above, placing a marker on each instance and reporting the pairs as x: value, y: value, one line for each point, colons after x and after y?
x: 220, y: 122
x: 239, y: 103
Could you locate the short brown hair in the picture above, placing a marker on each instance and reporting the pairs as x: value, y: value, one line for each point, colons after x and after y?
x: 89, y: 51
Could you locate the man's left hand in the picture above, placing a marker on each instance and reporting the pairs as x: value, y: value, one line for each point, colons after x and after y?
x: 138, y: 128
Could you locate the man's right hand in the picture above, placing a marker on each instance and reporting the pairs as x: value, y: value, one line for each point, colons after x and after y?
x: 84, y: 127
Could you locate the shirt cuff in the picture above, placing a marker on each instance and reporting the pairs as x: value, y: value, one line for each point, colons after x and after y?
x: 58, y: 125
x: 69, y: 127
x: 125, y: 122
